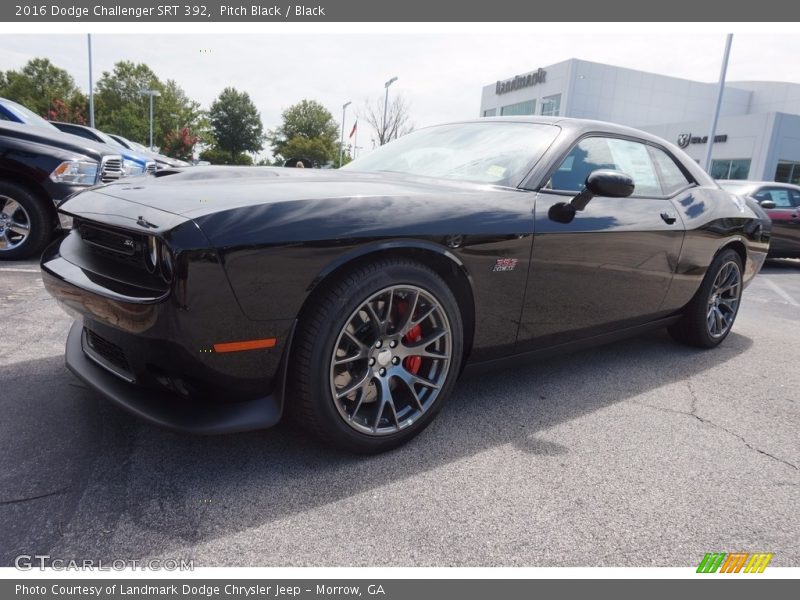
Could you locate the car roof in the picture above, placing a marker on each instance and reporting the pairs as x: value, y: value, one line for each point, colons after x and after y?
x: 578, y: 126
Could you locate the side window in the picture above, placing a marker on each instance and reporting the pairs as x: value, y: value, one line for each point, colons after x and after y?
x: 780, y: 196
x: 79, y: 132
x: 590, y: 154
x: 671, y: 176
x: 595, y: 153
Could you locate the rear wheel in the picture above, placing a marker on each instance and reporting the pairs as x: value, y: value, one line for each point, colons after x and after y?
x: 25, y: 225
x: 709, y: 317
x: 376, y: 356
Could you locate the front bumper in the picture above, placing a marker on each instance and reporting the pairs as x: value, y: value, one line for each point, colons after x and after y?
x: 164, y: 409
x: 156, y: 356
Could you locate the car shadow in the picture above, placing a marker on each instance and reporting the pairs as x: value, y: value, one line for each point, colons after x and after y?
x: 110, y: 472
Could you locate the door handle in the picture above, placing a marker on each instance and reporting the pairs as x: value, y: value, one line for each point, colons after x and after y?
x: 669, y: 217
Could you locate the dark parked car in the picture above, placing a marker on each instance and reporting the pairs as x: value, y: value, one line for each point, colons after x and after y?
x: 16, y: 113
x: 133, y: 163
x: 39, y: 167
x: 215, y: 299
x: 781, y: 201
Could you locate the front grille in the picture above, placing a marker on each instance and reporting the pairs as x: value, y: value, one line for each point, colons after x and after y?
x: 111, y: 169
x: 106, y: 354
x: 117, y: 244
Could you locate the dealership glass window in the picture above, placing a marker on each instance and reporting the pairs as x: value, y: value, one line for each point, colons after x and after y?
x: 595, y: 153
x: 736, y: 168
x: 788, y: 172
x: 520, y: 108
x: 551, y: 105
x: 490, y: 112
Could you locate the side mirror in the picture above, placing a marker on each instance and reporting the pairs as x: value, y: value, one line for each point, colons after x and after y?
x: 602, y: 182
x: 612, y: 184
x: 766, y: 204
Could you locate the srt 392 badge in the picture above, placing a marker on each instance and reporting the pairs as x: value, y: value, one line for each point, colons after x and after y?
x: 504, y: 264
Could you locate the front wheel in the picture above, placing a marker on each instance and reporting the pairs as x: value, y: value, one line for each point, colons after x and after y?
x: 25, y: 225
x: 709, y: 317
x: 376, y: 356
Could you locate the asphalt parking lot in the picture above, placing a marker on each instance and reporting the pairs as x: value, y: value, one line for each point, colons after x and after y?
x: 642, y: 453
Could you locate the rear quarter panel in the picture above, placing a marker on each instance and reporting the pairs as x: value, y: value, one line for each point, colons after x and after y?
x: 714, y: 219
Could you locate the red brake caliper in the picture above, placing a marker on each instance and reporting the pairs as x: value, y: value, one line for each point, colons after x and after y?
x: 411, y: 363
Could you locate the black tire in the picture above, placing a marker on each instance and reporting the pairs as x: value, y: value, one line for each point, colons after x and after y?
x: 31, y: 212
x: 697, y: 326
x: 312, y: 399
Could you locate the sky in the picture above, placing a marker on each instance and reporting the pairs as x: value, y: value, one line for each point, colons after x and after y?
x: 440, y: 75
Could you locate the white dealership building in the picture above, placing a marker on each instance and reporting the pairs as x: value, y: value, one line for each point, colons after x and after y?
x: 758, y: 135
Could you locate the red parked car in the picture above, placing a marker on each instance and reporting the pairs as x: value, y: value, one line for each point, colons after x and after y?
x: 781, y: 201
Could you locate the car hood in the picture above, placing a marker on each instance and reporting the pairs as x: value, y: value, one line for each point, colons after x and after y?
x: 57, y: 139
x: 137, y: 157
x: 200, y: 191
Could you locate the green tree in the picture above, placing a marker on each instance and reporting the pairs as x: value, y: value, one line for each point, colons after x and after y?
x: 45, y: 89
x: 177, y: 112
x: 236, y: 123
x: 218, y: 156
x: 308, y: 131
x: 120, y: 106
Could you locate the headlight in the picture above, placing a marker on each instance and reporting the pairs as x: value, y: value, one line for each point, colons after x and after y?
x: 75, y: 172
x: 131, y: 168
x: 152, y: 253
x: 167, y: 263
x: 159, y: 259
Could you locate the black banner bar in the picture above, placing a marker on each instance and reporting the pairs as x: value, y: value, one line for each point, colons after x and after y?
x: 208, y: 11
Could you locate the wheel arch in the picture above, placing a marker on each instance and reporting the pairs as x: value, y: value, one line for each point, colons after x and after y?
x: 443, y: 262
x: 737, y: 245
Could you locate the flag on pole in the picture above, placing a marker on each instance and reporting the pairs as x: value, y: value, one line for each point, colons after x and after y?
x: 353, y: 130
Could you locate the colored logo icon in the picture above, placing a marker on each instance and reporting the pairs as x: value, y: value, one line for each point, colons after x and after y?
x: 735, y: 562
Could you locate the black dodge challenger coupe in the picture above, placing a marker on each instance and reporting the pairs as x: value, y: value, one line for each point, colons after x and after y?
x: 215, y: 299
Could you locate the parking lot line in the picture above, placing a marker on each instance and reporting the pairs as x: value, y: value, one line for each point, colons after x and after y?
x: 781, y: 292
x: 18, y: 270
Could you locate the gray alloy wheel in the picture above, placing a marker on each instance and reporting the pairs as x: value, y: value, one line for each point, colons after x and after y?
x: 15, y: 224
x: 708, y: 318
x: 390, y: 360
x: 723, y: 301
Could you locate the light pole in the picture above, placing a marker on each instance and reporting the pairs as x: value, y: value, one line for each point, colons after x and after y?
x: 91, y: 84
x: 386, y: 106
x: 715, y: 115
x: 152, y: 94
x: 341, y: 144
